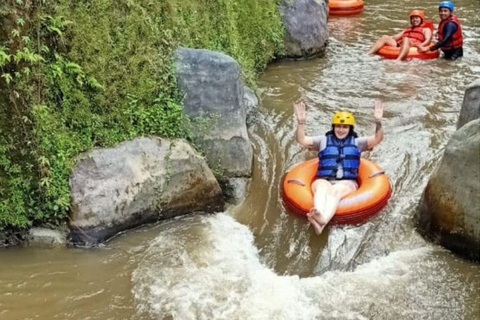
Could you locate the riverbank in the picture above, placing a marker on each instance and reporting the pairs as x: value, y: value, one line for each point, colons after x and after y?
x: 78, y: 76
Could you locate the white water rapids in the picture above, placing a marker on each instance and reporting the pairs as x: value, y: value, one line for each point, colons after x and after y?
x: 213, y: 271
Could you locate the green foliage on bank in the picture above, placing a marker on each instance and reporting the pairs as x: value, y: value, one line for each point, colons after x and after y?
x: 75, y: 75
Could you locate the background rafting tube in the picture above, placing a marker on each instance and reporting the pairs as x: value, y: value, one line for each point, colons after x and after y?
x: 345, y: 7
x: 372, y: 195
x: 389, y: 52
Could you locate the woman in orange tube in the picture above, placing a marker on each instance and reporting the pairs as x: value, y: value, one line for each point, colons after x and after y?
x: 339, y: 160
x: 417, y: 35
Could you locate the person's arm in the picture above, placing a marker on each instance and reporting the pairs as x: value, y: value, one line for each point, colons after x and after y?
x: 449, y: 29
x: 301, y: 115
x: 398, y: 36
x: 378, y: 136
x: 428, y: 37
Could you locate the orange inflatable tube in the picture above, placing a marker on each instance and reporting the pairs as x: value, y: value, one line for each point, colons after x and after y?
x: 389, y: 52
x: 345, y: 7
x: 372, y: 195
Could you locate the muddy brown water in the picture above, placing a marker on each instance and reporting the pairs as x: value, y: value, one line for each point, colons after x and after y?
x: 256, y: 261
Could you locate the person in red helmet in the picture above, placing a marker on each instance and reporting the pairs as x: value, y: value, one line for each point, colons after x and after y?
x: 339, y: 152
x: 417, y: 35
x: 450, y: 37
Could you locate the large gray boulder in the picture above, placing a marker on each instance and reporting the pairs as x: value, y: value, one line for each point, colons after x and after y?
x: 138, y: 182
x: 450, y: 207
x: 471, y: 104
x: 214, y: 98
x: 306, y: 27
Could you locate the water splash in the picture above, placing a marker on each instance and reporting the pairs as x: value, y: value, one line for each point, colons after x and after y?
x: 220, y: 276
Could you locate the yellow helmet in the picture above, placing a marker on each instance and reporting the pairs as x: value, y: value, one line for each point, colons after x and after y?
x: 343, y: 117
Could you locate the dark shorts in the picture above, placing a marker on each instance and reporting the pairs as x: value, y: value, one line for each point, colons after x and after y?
x: 453, y: 54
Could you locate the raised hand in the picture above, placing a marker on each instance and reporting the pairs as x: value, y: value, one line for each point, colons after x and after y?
x: 378, y: 110
x: 300, y: 112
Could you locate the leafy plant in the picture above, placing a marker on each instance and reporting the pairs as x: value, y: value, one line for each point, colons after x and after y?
x: 75, y: 75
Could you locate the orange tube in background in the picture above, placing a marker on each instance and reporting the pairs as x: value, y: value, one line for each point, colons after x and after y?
x: 389, y: 52
x: 345, y: 7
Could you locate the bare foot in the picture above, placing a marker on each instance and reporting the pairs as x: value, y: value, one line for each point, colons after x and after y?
x: 317, y: 216
x: 312, y: 217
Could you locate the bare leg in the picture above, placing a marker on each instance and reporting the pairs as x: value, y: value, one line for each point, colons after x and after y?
x: 405, y: 47
x: 320, y: 188
x: 332, y: 198
x: 316, y: 226
x: 384, y: 40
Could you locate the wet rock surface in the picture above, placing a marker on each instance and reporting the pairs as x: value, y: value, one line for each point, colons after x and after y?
x: 137, y: 182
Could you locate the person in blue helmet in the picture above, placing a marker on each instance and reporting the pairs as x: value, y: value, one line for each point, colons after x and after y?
x: 339, y: 153
x: 450, y: 36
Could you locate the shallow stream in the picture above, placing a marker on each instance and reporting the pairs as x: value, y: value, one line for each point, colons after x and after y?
x: 256, y: 261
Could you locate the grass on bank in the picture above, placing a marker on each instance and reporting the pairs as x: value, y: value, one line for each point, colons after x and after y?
x: 75, y: 75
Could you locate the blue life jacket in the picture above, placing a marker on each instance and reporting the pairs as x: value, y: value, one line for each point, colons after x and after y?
x: 339, y: 152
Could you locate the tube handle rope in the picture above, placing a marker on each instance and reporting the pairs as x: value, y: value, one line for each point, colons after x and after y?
x: 376, y: 174
x: 296, y: 181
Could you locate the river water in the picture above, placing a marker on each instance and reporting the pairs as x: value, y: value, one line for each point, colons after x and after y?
x: 256, y: 261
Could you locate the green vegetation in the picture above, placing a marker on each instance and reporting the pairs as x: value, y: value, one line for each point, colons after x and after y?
x: 80, y: 74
